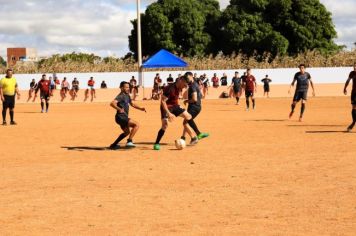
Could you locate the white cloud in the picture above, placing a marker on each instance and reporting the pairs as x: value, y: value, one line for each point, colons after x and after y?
x: 102, y: 27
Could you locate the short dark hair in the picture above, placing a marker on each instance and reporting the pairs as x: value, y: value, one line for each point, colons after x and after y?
x: 9, y: 70
x: 122, y: 84
x: 236, y: 72
x: 186, y: 76
x: 302, y: 65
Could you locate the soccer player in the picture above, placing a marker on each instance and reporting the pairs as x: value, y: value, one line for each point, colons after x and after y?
x: 266, y: 88
x: 75, y: 89
x: 44, y: 86
x: 8, y: 89
x: 91, y: 83
x: 122, y: 105
x: 170, y: 109
x: 352, y: 76
x: 194, y: 106
x: 250, y: 86
x: 303, y: 80
x: 236, y: 85
x: 33, y: 86
x: 64, y: 88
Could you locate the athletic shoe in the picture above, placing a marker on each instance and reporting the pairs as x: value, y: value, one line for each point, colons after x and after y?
x: 4, y: 123
x: 247, y: 109
x: 47, y: 111
x: 203, y: 135
x: 114, y: 147
x: 290, y: 114
x: 42, y: 111
x: 300, y: 119
x: 157, y: 147
x: 349, y: 129
x: 130, y: 145
x: 194, y: 141
x: 13, y: 123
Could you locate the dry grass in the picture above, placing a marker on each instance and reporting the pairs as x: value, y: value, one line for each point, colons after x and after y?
x: 311, y: 58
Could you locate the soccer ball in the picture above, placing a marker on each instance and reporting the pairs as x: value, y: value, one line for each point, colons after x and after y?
x: 180, y: 144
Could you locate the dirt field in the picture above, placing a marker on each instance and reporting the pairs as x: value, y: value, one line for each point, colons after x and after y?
x: 257, y: 174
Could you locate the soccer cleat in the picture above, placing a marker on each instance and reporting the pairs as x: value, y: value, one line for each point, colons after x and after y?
x: 114, y: 147
x: 130, y: 145
x: 349, y: 129
x: 13, y: 123
x: 4, y: 123
x: 194, y: 141
x: 157, y: 147
x: 203, y: 135
x: 42, y: 111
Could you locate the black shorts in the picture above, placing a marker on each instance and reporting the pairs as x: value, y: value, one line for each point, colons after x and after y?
x: 353, y: 98
x: 249, y: 94
x: 44, y: 96
x: 236, y: 89
x: 266, y: 89
x: 65, y: 89
x: 300, y: 95
x: 175, y: 110
x: 52, y: 87
x: 75, y: 88
x: 9, y: 102
x: 122, y: 120
x: 194, y: 111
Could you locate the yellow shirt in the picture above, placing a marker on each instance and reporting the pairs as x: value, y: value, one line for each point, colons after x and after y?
x: 8, y: 86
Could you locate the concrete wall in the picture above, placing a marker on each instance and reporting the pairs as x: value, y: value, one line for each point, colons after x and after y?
x: 279, y: 76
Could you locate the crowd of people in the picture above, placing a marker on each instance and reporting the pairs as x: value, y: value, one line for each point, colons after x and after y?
x: 235, y: 88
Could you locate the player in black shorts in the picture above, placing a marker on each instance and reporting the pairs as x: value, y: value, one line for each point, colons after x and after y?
x: 194, y: 107
x: 352, y: 76
x: 266, y: 88
x: 44, y: 86
x: 236, y: 85
x: 122, y: 104
x: 170, y: 109
x: 303, y: 79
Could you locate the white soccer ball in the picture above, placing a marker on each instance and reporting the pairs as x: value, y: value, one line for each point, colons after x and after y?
x: 180, y: 144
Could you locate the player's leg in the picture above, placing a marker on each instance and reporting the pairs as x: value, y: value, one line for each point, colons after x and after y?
x: 247, y: 95
x: 4, y: 110
x: 123, y: 122
x: 296, y: 99
x: 253, y: 101
x: 42, y: 103
x: 302, y: 109
x: 353, y: 114
x: 188, y: 117
x: 47, y: 103
x: 11, y: 110
x: 161, y: 133
x: 134, y: 125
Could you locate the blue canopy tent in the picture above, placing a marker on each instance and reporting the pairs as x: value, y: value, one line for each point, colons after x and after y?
x: 163, y: 59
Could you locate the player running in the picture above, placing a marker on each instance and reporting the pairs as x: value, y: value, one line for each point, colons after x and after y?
x: 75, y: 88
x: 44, y: 86
x: 352, y: 76
x: 170, y: 109
x: 250, y: 86
x: 8, y: 89
x: 236, y: 85
x: 122, y: 105
x: 303, y: 79
x: 194, y: 105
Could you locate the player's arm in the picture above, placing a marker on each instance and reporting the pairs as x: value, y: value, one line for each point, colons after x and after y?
x: 292, y: 84
x: 346, y: 85
x: 137, y: 107
x: 165, y: 107
x: 1, y: 93
x: 17, y: 91
x: 312, y: 85
x: 194, y: 98
x: 114, y: 105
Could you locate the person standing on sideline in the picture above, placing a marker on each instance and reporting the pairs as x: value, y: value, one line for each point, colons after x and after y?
x: 266, y: 88
x: 250, y: 86
x: 44, y: 86
x: 215, y: 81
x: 223, y: 80
x: 91, y: 83
x: 133, y: 88
x: 352, y: 76
x: 8, y: 89
x: 33, y: 86
x: 303, y: 79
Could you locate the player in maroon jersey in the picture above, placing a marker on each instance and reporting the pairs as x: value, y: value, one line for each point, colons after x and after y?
x: 44, y: 86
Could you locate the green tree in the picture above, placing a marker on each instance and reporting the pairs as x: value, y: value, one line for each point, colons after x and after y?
x: 2, y: 61
x: 277, y: 26
x: 182, y: 26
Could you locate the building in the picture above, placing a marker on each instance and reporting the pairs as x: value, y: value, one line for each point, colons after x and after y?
x: 20, y: 54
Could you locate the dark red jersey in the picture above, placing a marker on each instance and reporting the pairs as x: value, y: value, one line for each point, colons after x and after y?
x: 44, y: 86
x: 250, y: 83
x: 172, y: 93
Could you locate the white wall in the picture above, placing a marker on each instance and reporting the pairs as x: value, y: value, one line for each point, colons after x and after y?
x: 278, y: 76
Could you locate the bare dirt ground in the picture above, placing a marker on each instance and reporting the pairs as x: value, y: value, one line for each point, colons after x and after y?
x: 257, y: 174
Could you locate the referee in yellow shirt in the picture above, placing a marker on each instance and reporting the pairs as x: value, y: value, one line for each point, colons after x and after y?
x: 8, y: 89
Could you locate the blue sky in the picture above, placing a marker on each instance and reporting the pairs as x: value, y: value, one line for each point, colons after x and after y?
x: 102, y: 26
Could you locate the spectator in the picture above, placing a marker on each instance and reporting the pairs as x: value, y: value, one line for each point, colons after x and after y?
x: 215, y: 81
x: 223, y: 80
x: 170, y: 79
x: 103, y: 85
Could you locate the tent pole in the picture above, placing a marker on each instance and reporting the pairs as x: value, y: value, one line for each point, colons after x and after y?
x: 139, y: 47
